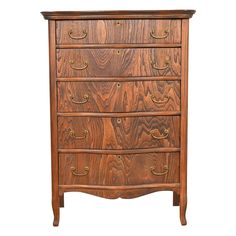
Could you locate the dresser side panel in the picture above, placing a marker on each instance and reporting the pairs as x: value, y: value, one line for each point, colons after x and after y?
x: 184, y: 116
x: 53, y: 114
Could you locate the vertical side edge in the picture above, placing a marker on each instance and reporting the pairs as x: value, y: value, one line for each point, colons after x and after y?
x: 53, y: 114
x: 184, y: 121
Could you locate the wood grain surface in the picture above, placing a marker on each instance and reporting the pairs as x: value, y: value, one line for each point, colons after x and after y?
x: 118, y: 31
x: 120, y: 170
x: 118, y: 133
x: 119, y: 99
x: 118, y: 96
x: 118, y: 62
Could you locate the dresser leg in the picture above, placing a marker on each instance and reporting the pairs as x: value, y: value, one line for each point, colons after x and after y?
x: 56, y: 212
x: 175, y: 199
x: 183, y: 206
x: 62, y: 200
x: 56, y: 216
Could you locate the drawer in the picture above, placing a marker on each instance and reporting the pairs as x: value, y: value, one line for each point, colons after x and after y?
x: 118, y: 133
x: 118, y: 62
x: 119, y: 96
x: 118, y: 31
x: 132, y: 169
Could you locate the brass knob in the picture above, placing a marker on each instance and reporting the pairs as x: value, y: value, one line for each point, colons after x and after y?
x: 118, y: 120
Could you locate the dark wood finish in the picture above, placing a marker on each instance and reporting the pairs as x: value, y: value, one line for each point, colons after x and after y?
x: 118, y: 62
x: 118, y: 96
x: 118, y: 31
x: 118, y: 133
x: 119, y: 170
x: 147, y: 14
x: 110, y: 86
x: 61, y: 200
x: 175, y: 199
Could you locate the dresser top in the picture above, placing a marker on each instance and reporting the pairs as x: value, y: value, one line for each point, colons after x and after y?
x: 148, y: 14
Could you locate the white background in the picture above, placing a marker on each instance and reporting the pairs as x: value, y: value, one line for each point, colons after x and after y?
x: 25, y: 178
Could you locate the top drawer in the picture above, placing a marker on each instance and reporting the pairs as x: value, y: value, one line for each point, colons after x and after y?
x: 118, y: 31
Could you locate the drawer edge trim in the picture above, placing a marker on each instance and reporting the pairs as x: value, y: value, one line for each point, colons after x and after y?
x: 121, y: 151
x: 119, y: 45
x: 120, y: 79
x: 119, y: 114
x: 67, y: 188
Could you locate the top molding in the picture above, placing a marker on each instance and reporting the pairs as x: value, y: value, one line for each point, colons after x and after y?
x: 151, y: 14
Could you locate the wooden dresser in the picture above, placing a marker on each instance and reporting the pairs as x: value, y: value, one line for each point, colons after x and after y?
x: 118, y: 87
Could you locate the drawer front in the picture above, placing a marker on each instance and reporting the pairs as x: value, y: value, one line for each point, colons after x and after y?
x: 118, y: 133
x: 118, y: 31
x: 118, y: 96
x: 118, y: 62
x: 132, y: 169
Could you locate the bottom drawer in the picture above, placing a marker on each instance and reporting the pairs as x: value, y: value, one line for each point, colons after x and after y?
x: 131, y: 169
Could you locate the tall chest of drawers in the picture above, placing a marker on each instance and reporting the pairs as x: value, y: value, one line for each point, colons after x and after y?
x: 118, y: 91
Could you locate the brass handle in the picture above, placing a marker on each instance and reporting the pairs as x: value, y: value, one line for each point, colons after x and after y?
x: 165, y: 35
x: 85, y: 99
x: 78, y: 68
x: 166, y: 66
x: 74, y: 172
x: 70, y: 33
x: 164, y: 135
x: 72, y: 134
x: 160, y: 101
x: 165, y: 168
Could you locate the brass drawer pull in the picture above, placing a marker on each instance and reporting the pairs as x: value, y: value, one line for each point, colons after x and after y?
x: 74, y: 172
x: 164, y: 135
x: 160, y: 101
x: 72, y: 134
x: 84, y: 100
x: 70, y: 33
x: 166, y: 66
x: 165, y: 35
x: 165, y: 168
x: 78, y: 68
